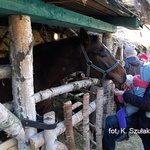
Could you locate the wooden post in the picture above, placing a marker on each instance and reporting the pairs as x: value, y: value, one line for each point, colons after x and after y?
x: 86, y: 134
x: 115, y: 48
x: 110, y: 105
x: 99, y: 117
x: 107, y: 40
x: 21, y: 47
x: 50, y: 135
x: 69, y: 128
x: 121, y: 53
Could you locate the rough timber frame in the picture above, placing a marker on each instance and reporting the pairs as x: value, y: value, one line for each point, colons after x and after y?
x: 53, y: 16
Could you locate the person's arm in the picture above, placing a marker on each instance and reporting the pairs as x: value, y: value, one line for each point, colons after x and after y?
x: 140, y: 102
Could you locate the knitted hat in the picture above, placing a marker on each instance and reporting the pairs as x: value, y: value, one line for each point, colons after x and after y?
x: 130, y: 51
x: 143, y: 55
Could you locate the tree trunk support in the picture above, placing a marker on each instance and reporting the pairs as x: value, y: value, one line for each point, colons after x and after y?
x: 21, y: 47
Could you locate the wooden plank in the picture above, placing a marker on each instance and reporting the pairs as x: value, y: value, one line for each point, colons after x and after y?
x: 54, y: 16
x: 95, y: 8
x: 119, y: 8
x: 104, y: 12
x: 91, y: 8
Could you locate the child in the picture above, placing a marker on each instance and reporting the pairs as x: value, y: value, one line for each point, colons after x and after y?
x: 144, y: 58
x: 138, y: 84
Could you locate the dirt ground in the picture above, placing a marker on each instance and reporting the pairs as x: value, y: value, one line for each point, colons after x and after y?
x: 134, y: 143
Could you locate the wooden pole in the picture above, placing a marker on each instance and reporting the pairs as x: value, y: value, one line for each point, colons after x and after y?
x: 11, y: 124
x: 50, y: 135
x: 49, y: 93
x: 110, y: 96
x: 107, y: 40
x: 86, y: 133
x: 99, y: 117
x: 21, y: 47
x: 121, y: 53
x: 68, y: 123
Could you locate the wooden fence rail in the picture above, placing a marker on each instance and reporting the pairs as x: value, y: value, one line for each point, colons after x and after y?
x: 102, y: 100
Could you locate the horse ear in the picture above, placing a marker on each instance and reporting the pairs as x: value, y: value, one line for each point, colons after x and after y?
x: 84, y: 37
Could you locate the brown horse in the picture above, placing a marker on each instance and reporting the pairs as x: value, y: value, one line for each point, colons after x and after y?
x: 54, y: 61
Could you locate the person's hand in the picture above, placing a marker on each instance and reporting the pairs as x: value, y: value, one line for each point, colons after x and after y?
x: 82, y: 76
x: 126, y: 86
x: 117, y: 92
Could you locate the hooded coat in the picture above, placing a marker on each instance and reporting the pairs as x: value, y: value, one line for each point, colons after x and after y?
x: 132, y: 65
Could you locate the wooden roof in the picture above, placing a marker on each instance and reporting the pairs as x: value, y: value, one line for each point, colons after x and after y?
x: 95, y: 15
x: 110, y: 11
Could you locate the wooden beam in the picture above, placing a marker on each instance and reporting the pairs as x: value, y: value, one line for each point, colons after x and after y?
x: 122, y: 21
x: 43, y: 13
x: 59, y: 1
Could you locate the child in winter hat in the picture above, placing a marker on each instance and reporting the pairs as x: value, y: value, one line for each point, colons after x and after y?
x: 144, y: 58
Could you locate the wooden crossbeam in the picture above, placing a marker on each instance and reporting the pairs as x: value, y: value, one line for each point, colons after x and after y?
x: 43, y: 13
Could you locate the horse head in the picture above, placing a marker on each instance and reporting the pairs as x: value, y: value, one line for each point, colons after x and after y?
x: 100, y: 63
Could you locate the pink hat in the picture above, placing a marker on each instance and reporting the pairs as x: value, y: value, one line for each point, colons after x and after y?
x: 143, y: 55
